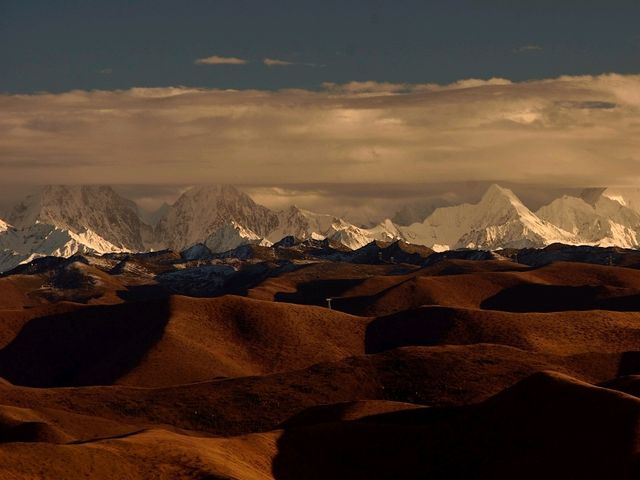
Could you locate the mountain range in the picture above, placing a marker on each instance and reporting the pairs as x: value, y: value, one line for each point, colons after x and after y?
x: 62, y: 220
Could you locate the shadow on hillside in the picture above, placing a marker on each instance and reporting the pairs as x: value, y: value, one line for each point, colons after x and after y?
x: 629, y: 364
x: 93, y: 345
x: 408, y: 328
x: 363, y: 305
x: 251, y: 276
x: 557, y: 298
x: 316, y: 292
x: 542, y: 427
x: 143, y: 293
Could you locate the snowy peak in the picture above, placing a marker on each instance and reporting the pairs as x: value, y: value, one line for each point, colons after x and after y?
x: 627, y: 197
x: 496, y: 193
x: 572, y: 214
x: 386, y: 231
x: 303, y: 224
x: 200, y: 211
x: 601, y: 221
x: 62, y: 220
x: 292, y: 222
x: 232, y: 235
x: 499, y: 220
x: 41, y: 239
x: 80, y: 209
x: 500, y: 204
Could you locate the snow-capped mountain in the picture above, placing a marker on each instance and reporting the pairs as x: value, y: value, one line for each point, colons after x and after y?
x: 40, y: 239
x: 386, y: 231
x: 604, y: 222
x: 305, y: 225
x: 200, y: 211
x: 64, y: 220
x: 232, y: 235
x: 627, y: 197
x: 499, y: 220
x: 301, y: 224
x: 97, y: 211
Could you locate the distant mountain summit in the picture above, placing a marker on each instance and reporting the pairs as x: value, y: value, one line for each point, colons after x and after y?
x: 627, y: 197
x: 233, y: 235
x: 499, y: 220
x: 200, y: 211
x: 605, y: 222
x: 62, y: 220
x: 83, y: 209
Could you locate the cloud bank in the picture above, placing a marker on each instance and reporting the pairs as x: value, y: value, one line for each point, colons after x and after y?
x: 571, y: 131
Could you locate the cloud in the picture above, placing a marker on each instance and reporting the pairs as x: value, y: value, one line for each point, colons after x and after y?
x: 571, y: 131
x: 105, y: 71
x: 272, y: 62
x: 528, y: 48
x: 218, y: 60
x: 269, y: 62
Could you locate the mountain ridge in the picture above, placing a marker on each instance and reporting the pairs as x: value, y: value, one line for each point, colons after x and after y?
x: 63, y: 220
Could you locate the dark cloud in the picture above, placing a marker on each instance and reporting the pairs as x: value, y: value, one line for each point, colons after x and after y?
x: 589, y: 105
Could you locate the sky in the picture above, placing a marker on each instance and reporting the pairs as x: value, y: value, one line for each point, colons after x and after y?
x: 304, y: 101
x: 63, y: 45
